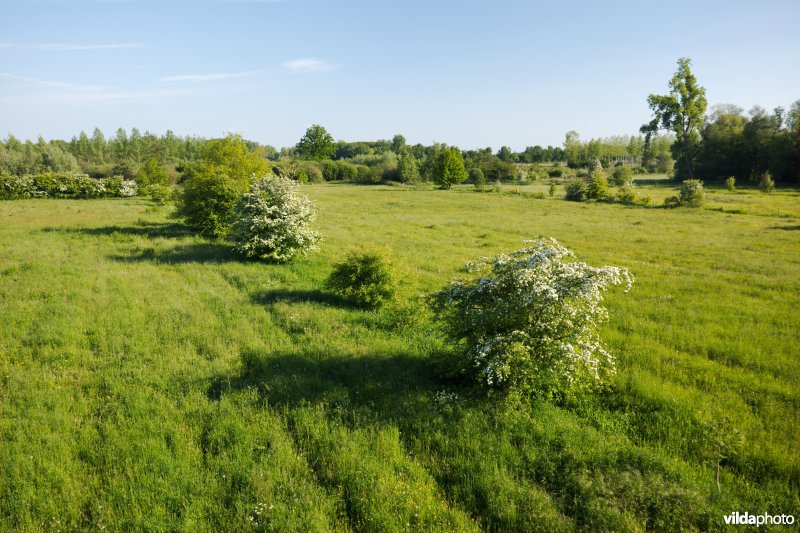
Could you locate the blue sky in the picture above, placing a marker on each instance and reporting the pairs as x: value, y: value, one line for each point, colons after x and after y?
x: 469, y: 73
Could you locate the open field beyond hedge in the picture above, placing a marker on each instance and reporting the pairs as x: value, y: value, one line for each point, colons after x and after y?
x: 153, y: 380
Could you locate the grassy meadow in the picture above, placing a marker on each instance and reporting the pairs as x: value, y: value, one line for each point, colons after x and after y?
x: 153, y: 380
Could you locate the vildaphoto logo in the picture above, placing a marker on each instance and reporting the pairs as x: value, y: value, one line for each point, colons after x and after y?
x: 747, y: 519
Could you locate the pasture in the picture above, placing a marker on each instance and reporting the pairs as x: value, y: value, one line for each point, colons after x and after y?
x: 153, y: 380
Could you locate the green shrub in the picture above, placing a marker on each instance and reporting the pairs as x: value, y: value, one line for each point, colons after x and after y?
x: 672, y: 201
x: 273, y: 221
x: 207, y: 202
x: 366, y: 278
x: 730, y: 184
x: 622, y: 176
x: 346, y: 171
x: 766, y: 184
x: 329, y: 169
x: 627, y: 195
x: 552, y: 190
x: 556, y: 172
x: 691, y: 193
x: 528, y: 322
x: 477, y: 177
x: 160, y: 194
x: 152, y: 174
x: 576, y: 190
x: 598, y: 187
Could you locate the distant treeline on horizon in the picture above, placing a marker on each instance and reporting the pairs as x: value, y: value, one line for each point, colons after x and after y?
x: 732, y: 144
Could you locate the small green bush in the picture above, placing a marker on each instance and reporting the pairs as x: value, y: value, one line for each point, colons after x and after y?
x: 152, y: 174
x: 366, y: 278
x: 598, y: 187
x: 160, y: 194
x: 552, y: 190
x: 766, y: 183
x: 691, y: 194
x: 672, y: 201
x: 730, y: 184
x: 622, y: 176
x: 477, y: 177
x: 576, y: 190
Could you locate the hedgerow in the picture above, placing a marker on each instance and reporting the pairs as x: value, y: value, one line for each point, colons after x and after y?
x: 54, y: 185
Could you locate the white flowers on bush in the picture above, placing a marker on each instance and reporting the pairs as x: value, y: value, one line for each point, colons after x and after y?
x: 273, y: 221
x: 528, y: 323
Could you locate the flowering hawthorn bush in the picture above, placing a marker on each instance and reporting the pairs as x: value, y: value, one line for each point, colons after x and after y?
x: 528, y: 322
x: 273, y: 221
x: 56, y: 185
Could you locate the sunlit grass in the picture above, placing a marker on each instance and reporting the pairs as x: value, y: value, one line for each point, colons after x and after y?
x: 153, y: 380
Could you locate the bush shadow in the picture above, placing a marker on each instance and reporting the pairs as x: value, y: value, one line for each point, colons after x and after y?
x: 274, y: 296
x: 387, y: 386
x: 190, y: 253
x: 148, y: 230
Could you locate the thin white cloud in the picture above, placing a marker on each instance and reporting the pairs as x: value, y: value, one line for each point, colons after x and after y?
x: 209, y: 77
x: 61, y: 47
x: 309, y: 64
x: 62, y: 91
x: 55, y: 84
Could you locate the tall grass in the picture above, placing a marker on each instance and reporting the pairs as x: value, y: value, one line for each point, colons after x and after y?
x: 151, y: 379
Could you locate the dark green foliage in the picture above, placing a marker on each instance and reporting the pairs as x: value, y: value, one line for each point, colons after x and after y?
x: 316, y: 144
x: 766, y: 184
x: 551, y: 191
x: 366, y: 278
x: 477, y: 178
x: 207, y: 203
x: 449, y: 168
x: 576, y: 190
x: 407, y: 168
x: 622, y: 176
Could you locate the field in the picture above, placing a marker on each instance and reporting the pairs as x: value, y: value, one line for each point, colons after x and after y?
x: 153, y: 380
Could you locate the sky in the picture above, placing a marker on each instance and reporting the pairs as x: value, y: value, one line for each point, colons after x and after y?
x: 466, y: 73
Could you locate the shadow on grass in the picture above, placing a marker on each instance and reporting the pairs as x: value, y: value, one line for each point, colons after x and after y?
x: 145, y: 229
x: 292, y: 296
x: 786, y: 228
x: 388, y: 386
x: 190, y: 253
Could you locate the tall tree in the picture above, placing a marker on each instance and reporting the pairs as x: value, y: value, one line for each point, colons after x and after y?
x: 407, y: 166
x: 316, y: 144
x: 449, y: 168
x: 681, y: 111
x: 398, y: 144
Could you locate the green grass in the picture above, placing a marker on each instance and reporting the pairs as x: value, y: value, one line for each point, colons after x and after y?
x: 153, y: 380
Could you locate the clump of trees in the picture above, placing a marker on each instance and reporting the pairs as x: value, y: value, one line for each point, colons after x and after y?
x: 726, y: 143
x: 527, y: 324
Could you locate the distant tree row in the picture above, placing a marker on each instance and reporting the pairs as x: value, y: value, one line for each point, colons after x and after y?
x: 121, y: 155
x: 725, y: 143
